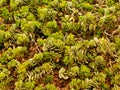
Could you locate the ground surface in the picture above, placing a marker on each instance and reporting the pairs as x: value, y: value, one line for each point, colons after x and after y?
x: 59, y: 45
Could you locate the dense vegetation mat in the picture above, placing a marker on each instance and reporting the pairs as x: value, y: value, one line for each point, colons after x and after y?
x: 59, y: 44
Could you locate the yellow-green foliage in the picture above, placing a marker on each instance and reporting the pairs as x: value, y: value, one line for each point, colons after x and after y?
x: 54, y: 44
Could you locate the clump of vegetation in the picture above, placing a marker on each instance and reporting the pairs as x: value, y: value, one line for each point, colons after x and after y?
x: 59, y: 44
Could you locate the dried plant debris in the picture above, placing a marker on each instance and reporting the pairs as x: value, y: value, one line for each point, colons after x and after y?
x: 59, y: 44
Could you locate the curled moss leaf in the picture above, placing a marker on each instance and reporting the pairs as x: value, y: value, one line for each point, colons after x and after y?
x: 61, y: 74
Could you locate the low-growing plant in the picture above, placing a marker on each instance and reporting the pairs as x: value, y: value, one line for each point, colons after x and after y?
x: 59, y: 44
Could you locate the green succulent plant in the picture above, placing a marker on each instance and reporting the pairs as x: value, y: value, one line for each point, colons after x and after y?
x: 59, y: 44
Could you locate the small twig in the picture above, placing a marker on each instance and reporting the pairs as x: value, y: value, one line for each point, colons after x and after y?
x: 107, y: 34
